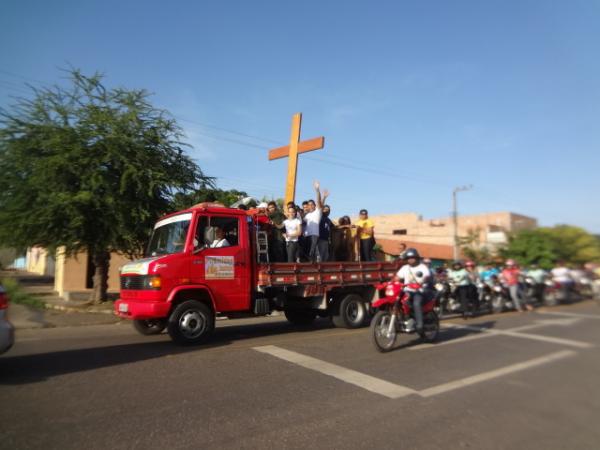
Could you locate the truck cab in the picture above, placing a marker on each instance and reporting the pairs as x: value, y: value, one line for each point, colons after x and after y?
x: 201, y: 255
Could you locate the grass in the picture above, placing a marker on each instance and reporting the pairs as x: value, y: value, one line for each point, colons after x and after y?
x: 18, y: 296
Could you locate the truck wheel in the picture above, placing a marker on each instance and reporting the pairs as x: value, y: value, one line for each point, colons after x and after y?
x: 351, y: 312
x: 300, y: 316
x: 191, y: 322
x: 150, y: 327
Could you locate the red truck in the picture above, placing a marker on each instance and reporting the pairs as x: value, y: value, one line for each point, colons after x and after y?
x: 210, y: 261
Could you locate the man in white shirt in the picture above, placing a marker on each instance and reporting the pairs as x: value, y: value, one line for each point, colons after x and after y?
x: 562, y: 274
x: 415, y: 272
x: 312, y: 219
x: 220, y: 240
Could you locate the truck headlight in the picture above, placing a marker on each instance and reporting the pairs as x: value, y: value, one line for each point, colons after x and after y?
x: 154, y: 282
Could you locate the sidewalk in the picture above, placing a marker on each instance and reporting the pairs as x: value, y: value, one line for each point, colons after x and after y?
x: 57, y: 311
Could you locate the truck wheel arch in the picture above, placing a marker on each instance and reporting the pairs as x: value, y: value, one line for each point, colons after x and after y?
x: 198, y: 292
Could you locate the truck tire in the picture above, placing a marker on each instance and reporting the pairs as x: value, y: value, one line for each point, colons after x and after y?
x: 191, y: 322
x: 150, y: 326
x: 350, y: 313
x: 300, y: 316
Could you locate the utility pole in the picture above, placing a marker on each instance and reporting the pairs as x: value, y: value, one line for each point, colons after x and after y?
x: 455, y: 217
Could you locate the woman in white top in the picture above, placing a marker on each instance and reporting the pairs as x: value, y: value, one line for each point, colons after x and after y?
x: 293, y: 229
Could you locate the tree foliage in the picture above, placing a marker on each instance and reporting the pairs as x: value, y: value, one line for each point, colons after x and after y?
x: 89, y: 168
x: 545, y: 246
x: 184, y: 200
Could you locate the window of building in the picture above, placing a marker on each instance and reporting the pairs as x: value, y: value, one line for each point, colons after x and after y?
x: 399, y: 232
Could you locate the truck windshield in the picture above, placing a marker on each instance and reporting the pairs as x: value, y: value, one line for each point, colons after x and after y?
x: 169, y: 235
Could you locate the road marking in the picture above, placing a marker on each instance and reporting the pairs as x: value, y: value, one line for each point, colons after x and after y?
x: 359, y: 379
x: 489, y: 332
x: 452, y: 385
x: 553, y: 340
x: 391, y: 390
x: 567, y: 314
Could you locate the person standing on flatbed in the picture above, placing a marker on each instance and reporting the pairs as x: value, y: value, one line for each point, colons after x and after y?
x: 312, y: 219
x: 366, y: 235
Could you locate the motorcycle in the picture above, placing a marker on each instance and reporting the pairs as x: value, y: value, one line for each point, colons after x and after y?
x: 485, y: 293
x: 395, y: 315
x: 500, y: 300
x: 446, y: 299
x: 533, y: 292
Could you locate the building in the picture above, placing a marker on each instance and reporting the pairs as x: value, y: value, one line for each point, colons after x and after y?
x: 391, y: 248
x: 434, y: 238
x: 73, y: 274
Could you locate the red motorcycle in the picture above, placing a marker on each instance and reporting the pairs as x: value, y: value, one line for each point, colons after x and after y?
x: 395, y: 315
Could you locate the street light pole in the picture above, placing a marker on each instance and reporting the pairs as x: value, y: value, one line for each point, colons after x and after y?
x: 455, y: 217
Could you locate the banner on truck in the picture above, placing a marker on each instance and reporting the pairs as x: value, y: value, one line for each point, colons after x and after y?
x: 219, y: 267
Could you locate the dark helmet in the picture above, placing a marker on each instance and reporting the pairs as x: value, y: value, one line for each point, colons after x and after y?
x: 411, y: 253
x: 457, y: 263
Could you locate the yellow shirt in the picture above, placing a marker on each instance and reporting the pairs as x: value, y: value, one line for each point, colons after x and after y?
x: 365, y: 223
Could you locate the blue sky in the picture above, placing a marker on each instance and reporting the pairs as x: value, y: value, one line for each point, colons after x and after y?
x: 413, y: 97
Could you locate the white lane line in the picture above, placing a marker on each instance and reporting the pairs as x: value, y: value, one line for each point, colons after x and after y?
x: 516, y: 332
x: 452, y: 385
x: 552, y: 340
x: 391, y: 390
x: 359, y: 379
x: 489, y: 332
x: 567, y: 314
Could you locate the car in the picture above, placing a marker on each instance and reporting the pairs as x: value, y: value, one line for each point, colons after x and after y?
x: 7, y: 331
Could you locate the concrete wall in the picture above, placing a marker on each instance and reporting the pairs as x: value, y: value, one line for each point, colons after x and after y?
x: 39, y: 261
x: 71, y: 272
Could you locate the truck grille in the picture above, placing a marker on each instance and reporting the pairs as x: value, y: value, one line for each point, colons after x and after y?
x: 134, y: 282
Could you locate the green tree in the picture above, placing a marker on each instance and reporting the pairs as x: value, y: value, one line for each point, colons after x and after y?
x: 531, y: 246
x: 89, y: 168
x: 185, y: 200
x: 546, y: 245
x: 574, y: 244
x: 471, y: 248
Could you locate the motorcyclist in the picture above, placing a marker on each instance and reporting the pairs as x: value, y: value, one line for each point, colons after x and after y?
x: 489, y: 272
x: 561, y: 274
x: 474, y: 278
x: 510, y: 276
x: 538, y: 276
x: 415, y: 272
x: 460, y: 277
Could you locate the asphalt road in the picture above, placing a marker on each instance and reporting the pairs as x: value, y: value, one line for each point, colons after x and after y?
x: 506, y: 381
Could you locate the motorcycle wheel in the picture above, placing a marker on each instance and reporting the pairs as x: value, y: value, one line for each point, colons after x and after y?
x: 498, y: 304
x: 379, y: 332
x: 431, y: 327
x: 550, y: 298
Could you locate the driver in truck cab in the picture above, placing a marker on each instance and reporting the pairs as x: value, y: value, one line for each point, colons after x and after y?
x: 415, y: 272
x: 220, y: 240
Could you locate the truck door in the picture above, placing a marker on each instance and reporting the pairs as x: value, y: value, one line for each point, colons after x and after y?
x: 221, y: 260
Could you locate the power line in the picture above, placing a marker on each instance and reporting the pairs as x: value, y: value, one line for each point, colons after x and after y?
x: 13, y: 87
x: 16, y: 75
x: 227, y: 130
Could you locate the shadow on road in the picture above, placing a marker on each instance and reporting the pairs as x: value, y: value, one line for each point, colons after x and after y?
x: 40, y: 367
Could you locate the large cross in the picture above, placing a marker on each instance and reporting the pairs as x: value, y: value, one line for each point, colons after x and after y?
x: 292, y: 151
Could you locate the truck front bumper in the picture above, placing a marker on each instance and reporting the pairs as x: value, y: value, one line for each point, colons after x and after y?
x: 141, y: 310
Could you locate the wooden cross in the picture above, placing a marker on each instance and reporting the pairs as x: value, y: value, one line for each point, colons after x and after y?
x: 292, y: 151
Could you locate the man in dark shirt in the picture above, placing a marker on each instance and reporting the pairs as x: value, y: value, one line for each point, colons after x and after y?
x: 276, y: 239
x: 325, y: 227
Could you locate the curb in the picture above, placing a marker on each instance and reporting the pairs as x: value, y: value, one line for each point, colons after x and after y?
x: 73, y: 309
